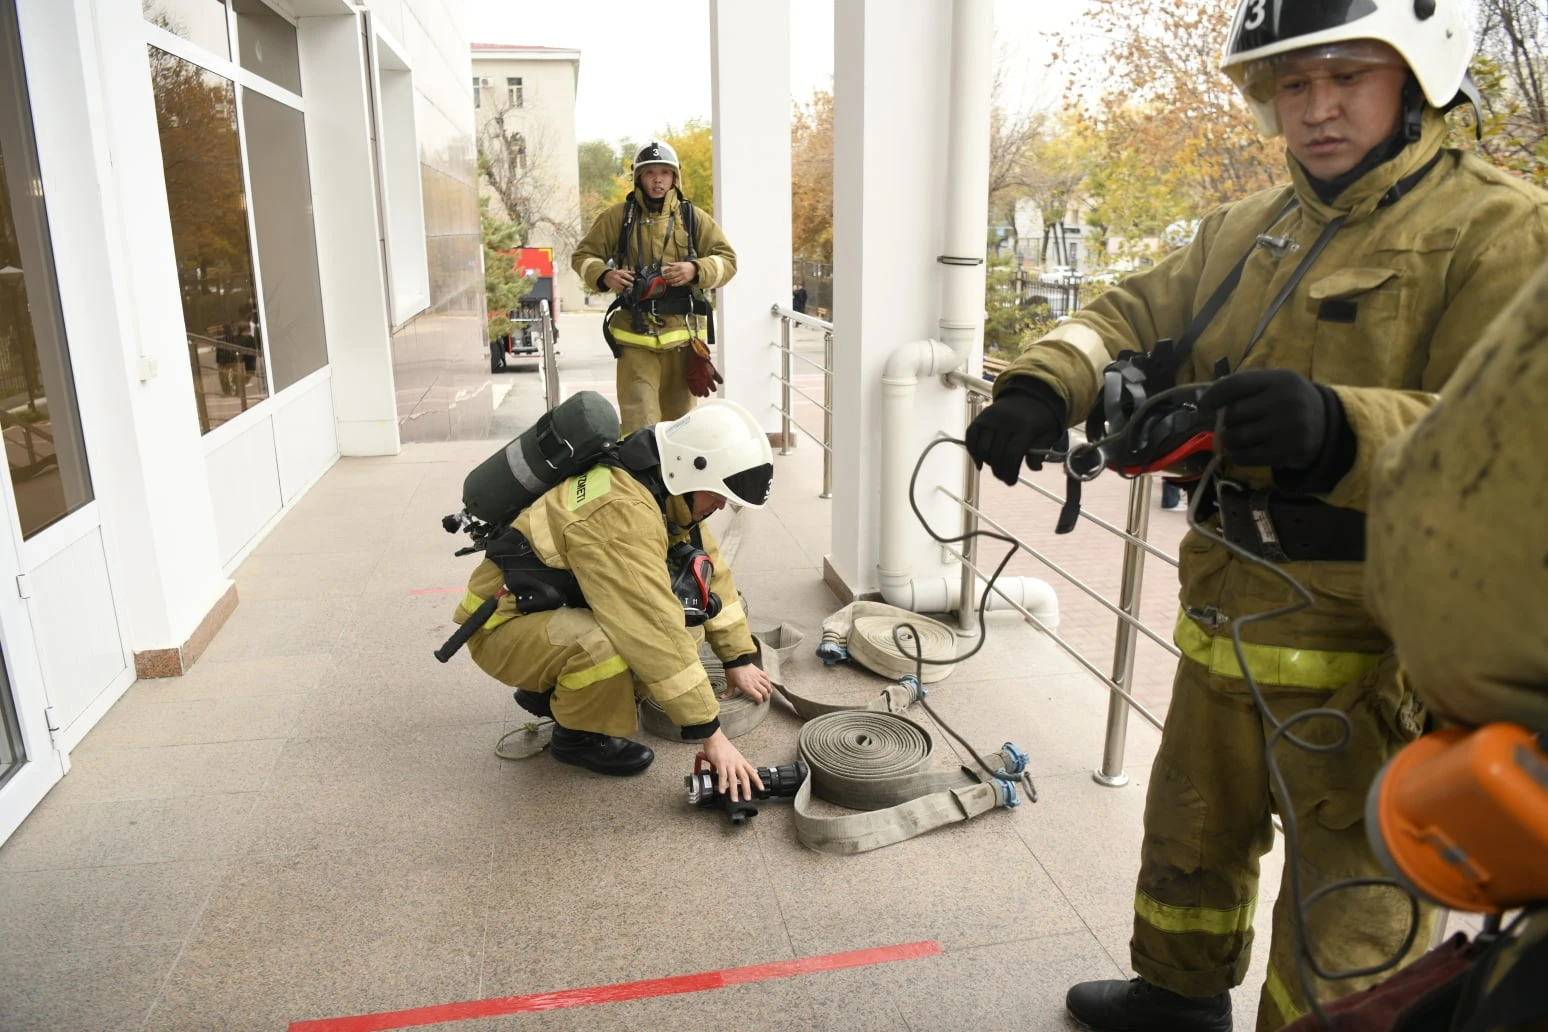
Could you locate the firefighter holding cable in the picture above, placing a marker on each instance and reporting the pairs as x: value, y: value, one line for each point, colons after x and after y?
x: 1326, y: 314
x: 660, y: 255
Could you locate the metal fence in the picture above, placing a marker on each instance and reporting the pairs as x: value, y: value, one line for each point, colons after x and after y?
x: 789, y: 318
x: 1118, y: 676
x: 817, y: 278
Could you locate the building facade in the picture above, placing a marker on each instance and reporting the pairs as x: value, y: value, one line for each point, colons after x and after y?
x: 238, y: 239
x: 524, y: 106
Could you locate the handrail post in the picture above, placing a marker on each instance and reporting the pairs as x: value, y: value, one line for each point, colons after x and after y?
x: 784, y: 387
x: 967, y: 616
x: 550, y: 362
x: 827, y: 415
x: 1111, y: 773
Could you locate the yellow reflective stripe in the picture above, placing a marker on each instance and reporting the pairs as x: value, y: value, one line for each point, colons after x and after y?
x: 1084, y: 340
x: 1167, y: 918
x: 1279, y: 993
x: 1273, y: 664
x: 685, y: 680
x: 470, y: 604
x: 612, y: 666
x: 729, y: 615
x: 656, y: 341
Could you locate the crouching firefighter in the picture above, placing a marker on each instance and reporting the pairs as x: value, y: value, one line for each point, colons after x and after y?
x: 591, y: 615
x: 659, y: 255
x: 1320, y: 319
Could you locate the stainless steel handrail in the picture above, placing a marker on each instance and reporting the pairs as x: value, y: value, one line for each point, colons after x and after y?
x: 1135, y: 549
x: 550, y: 360
x: 788, y: 318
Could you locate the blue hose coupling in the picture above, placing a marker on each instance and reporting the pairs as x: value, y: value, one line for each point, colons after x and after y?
x: 1016, y: 760
x: 832, y: 653
x: 1007, y: 793
x: 911, y: 682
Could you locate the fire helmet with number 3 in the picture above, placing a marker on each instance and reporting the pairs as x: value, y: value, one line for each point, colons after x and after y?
x: 1432, y: 37
x: 656, y: 153
x: 717, y: 447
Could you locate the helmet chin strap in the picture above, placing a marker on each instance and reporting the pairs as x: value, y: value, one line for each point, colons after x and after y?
x: 1413, y: 109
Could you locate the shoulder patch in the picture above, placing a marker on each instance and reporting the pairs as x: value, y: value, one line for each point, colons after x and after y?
x: 589, y: 486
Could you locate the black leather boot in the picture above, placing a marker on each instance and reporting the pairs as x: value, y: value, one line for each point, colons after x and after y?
x: 604, y: 754
x: 536, y: 703
x: 1138, y: 1006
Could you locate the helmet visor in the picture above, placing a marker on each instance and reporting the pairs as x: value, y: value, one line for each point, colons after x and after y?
x: 751, y: 485
x: 1261, y: 79
x: 1265, y: 23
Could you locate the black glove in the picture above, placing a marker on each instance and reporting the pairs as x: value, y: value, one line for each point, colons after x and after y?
x: 1027, y: 415
x: 1279, y: 418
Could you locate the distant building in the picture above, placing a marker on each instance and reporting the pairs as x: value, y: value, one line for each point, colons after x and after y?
x: 531, y: 90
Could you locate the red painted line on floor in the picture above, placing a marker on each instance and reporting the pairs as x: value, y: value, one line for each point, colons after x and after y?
x: 650, y: 987
x: 437, y: 591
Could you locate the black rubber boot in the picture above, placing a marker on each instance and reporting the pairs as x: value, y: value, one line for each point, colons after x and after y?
x: 1138, y: 1006
x: 618, y: 757
x: 536, y: 703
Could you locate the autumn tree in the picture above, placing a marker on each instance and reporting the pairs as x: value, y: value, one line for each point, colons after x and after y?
x: 600, y: 166
x: 1173, y: 136
x: 811, y: 179
x: 1511, y: 72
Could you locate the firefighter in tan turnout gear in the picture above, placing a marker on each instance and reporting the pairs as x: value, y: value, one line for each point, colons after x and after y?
x: 613, y: 530
x: 1361, y: 287
x: 659, y: 254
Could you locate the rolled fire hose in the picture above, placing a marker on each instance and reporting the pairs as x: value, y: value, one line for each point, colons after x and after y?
x: 877, y: 763
x: 862, y: 631
x: 866, y: 757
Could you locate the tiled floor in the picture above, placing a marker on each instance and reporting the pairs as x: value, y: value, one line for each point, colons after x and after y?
x: 313, y: 824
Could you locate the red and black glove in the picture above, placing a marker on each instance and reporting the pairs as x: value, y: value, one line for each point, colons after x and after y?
x: 702, y: 376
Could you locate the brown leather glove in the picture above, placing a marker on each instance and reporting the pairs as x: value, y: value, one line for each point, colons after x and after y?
x: 701, y: 374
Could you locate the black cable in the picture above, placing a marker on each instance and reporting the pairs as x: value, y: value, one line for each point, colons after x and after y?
x: 1306, y: 962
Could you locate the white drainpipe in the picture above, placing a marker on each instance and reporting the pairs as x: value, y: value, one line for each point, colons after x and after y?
x: 962, y: 306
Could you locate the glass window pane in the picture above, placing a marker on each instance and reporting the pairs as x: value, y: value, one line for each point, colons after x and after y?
x: 267, y: 44
x: 199, y: 21
x: 39, y: 419
x: 196, y: 114
x: 287, y: 242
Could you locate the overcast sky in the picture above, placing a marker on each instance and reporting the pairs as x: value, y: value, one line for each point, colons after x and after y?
x: 630, y: 91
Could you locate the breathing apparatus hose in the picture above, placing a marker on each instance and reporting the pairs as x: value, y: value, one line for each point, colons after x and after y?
x: 1281, y: 730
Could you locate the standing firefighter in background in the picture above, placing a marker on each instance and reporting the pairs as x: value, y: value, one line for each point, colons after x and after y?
x: 603, y: 555
x: 660, y: 255
x: 1327, y: 313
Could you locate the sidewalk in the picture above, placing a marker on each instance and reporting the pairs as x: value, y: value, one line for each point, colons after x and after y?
x: 312, y: 823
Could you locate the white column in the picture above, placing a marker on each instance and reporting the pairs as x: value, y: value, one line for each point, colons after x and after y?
x: 891, y: 61
x: 750, y: 72
x: 349, y: 256
x: 112, y: 240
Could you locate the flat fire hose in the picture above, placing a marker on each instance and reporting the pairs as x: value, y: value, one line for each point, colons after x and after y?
x: 739, y: 714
